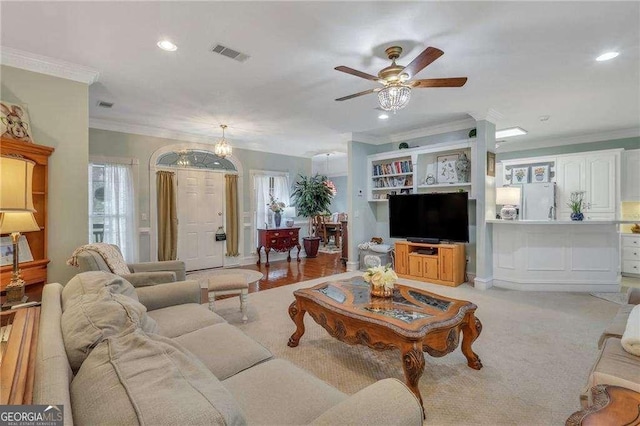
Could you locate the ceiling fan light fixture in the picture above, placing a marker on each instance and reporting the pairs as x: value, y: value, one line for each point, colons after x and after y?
x: 222, y: 148
x: 394, y: 97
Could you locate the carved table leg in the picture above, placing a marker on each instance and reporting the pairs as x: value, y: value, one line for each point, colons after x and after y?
x: 298, y: 258
x: 471, y: 330
x: 289, y: 256
x: 267, y: 250
x: 297, y: 315
x: 413, y: 366
x: 258, y: 250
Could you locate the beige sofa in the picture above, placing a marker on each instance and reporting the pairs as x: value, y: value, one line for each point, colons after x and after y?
x: 614, y: 365
x: 115, y: 354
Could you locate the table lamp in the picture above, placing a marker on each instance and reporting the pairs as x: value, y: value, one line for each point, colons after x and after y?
x: 509, y: 198
x: 289, y: 213
x: 16, y: 213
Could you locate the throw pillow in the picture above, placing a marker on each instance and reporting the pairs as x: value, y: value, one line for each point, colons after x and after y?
x: 92, y: 281
x: 91, y: 318
x: 140, y: 379
x: 631, y: 336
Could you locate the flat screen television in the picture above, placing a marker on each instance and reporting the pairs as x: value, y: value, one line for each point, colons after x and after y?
x: 430, y: 217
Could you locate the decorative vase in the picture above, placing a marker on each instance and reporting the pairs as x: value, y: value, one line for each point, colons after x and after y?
x: 289, y: 223
x: 277, y: 217
x: 577, y: 216
x: 381, y: 290
x: 463, y: 167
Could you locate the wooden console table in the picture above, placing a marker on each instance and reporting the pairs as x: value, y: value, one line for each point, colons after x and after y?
x: 278, y: 239
x: 17, y: 355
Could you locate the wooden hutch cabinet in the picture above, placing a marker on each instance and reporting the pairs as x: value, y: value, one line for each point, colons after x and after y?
x: 34, y: 272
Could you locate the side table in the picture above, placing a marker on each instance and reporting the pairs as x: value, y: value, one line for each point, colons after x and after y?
x: 17, y: 354
x: 278, y: 239
x: 612, y: 406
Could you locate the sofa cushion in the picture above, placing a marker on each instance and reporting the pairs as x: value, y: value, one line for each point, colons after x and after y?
x: 148, y: 379
x: 174, y: 321
x: 91, y: 282
x: 616, y: 367
x: 224, y: 349
x: 91, y: 318
x: 617, y: 326
x: 277, y: 392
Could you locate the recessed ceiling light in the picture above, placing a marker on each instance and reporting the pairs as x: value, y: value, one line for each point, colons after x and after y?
x: 167, y: 45
x: 544, y: 117
x: 512, y: 131
x: 383, y: 116
x: 606, y: 56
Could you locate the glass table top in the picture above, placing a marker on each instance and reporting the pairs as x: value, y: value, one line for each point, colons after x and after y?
x: 397, y: 307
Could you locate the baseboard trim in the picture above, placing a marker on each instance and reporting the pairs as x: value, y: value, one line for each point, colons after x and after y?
x: 352, y: 266
x: 603, y: 287
x: 483, y: 283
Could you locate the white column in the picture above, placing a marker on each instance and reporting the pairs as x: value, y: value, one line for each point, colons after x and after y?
x: 485, y: 196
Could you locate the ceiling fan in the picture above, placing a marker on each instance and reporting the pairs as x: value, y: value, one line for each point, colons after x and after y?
x: 396, y: 79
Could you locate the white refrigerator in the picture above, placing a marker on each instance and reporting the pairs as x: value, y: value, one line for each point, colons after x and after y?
x: 538, y: 201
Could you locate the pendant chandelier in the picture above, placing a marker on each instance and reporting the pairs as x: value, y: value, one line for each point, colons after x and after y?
x: 393, y: 97
x: 222, y: 147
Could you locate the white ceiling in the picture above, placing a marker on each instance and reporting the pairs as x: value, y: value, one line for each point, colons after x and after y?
x: 523, y: 59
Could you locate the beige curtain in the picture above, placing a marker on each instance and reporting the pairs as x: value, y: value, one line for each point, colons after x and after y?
x: 231, y: 194
x: 167, y: 216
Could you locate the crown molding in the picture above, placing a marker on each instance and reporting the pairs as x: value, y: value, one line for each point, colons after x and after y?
x: 489, y: 114
x: 437, y: 129
x: 46, y: 65
x: 525, y: 145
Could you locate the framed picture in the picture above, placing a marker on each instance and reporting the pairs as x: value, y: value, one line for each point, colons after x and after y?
x: 14, y: 122
x: 491, y: 164
x: 6, y: 250
x: 540, y: 173
x: 447, y: 169
x: 519, y: 175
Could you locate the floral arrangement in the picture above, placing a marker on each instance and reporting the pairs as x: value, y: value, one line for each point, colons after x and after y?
x: 275, y: 205
x: 576, y: 201
x: 329, y: 184
x: 381, y: 276
x: 520, y: 174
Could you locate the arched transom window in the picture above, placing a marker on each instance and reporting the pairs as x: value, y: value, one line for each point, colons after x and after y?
x: 195, y: 158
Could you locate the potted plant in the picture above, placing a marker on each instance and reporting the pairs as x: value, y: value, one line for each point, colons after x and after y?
x: 576, y: 204
x: 311, y: 197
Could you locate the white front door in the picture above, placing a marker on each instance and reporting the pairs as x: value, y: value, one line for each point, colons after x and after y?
x: 200, y: 207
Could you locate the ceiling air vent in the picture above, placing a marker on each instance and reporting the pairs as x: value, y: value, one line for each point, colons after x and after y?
x: 105, y: 104
x: 230, y: 53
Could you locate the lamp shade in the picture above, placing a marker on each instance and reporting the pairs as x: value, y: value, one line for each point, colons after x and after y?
x: 17, y: 222
x: 508, y: 195
x: 16, y: 176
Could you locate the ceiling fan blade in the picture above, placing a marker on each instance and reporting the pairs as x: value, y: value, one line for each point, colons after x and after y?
x: 439, y: 82
x: 356, y: 73
x: 355, y: 95
x: 427, y: 56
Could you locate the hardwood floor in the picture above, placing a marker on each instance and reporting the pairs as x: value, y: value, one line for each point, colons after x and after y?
x: 283, y: 273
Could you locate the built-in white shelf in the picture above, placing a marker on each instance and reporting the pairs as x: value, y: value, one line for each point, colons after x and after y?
x: 444, y: 185
x: 393, y: 175
x: 386, y: 188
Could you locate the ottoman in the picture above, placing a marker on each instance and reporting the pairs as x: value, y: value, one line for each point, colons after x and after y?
x: 229, y: 284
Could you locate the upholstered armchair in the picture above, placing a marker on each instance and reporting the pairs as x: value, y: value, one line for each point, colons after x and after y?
x: 141, y: 274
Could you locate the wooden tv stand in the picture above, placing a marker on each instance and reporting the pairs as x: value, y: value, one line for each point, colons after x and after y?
x: 445, y: 266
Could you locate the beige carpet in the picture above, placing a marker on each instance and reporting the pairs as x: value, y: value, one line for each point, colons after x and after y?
x: 329, y: 248
x: 537, y: 349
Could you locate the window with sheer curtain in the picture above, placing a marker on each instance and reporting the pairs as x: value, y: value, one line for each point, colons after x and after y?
x: 112, y: 207
x: 265, y: 184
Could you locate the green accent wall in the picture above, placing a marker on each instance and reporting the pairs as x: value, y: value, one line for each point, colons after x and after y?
x: 59, y: 113
x: 626, y: 143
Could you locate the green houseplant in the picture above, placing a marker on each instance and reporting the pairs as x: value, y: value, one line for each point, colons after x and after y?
x: 311, y: 197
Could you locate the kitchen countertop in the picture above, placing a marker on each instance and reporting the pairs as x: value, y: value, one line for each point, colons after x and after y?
x: 561, y: 222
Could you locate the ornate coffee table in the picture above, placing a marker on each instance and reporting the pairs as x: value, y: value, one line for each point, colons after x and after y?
x: 413, y: 321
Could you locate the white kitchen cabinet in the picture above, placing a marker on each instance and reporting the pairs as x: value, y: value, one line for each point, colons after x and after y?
x: 630, y: 254
x: 570, y: 177
x: 631, y: 175
x: 597, y: 173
